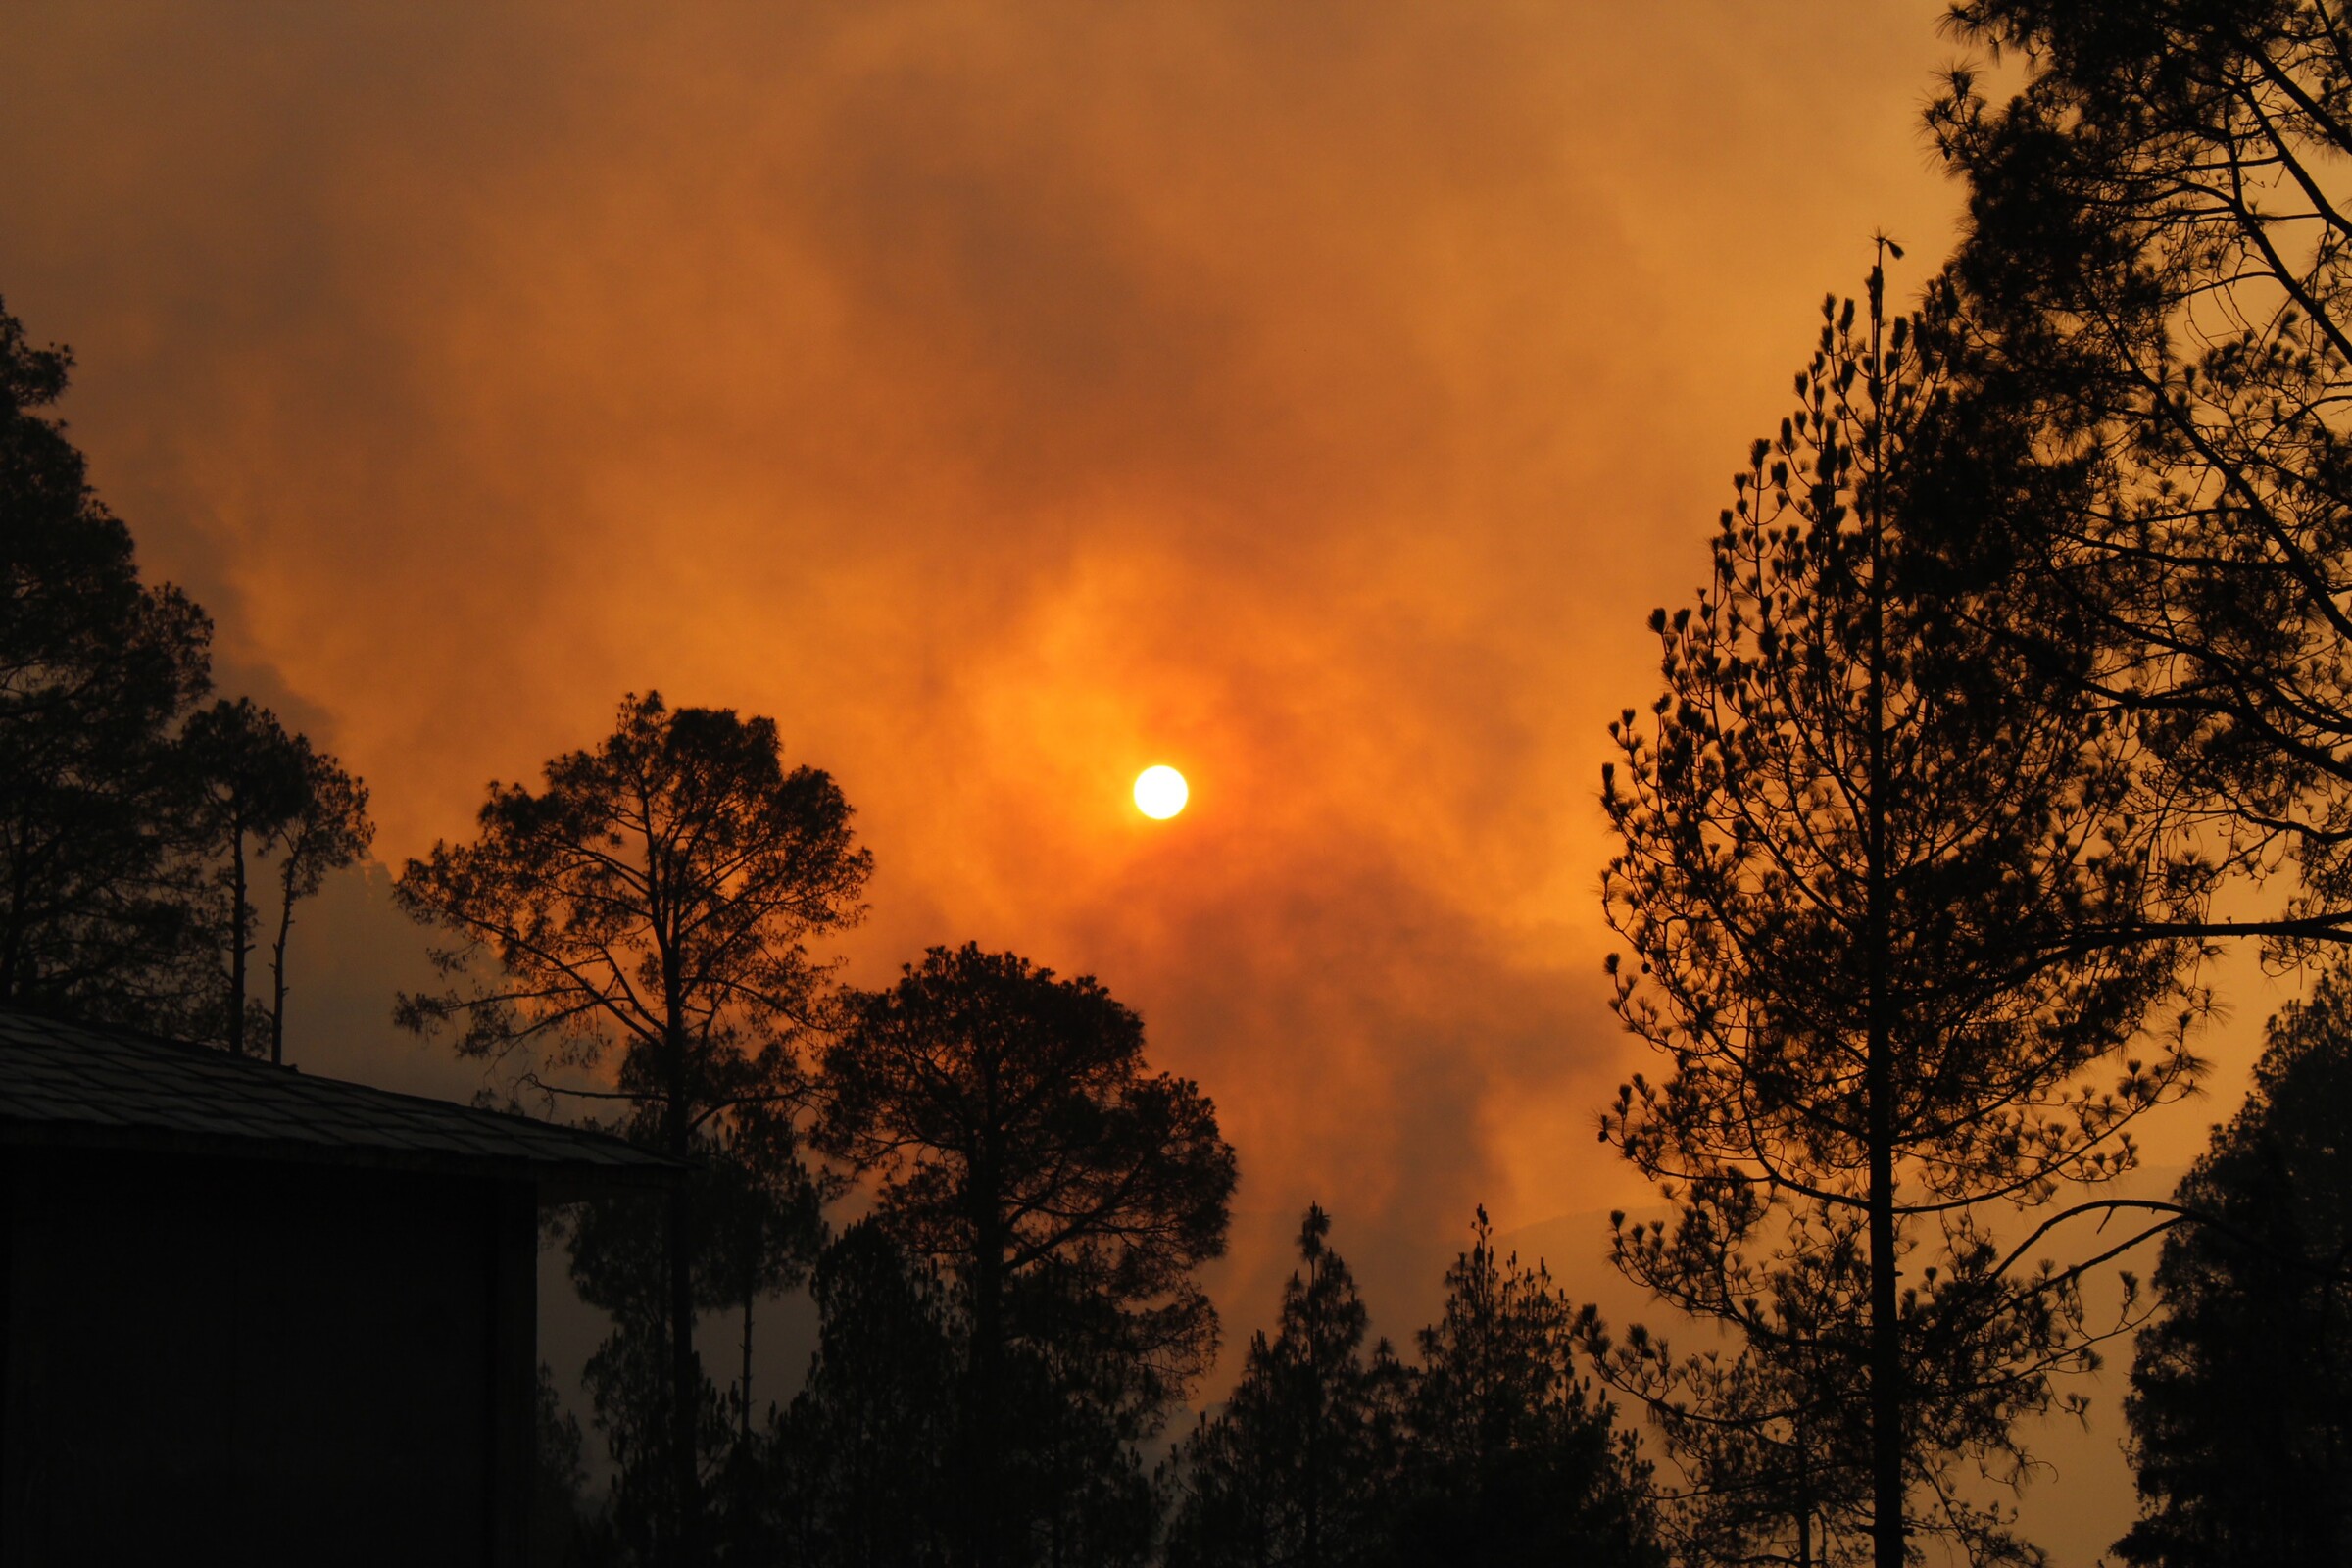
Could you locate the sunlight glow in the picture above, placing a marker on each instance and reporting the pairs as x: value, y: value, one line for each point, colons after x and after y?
x: 1161, y: 792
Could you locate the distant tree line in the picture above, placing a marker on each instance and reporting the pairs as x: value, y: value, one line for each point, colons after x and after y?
x: 1493, y: 1449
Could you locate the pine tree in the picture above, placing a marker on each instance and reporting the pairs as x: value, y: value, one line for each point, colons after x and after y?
x: 1510, y: 1456
x: 1296, y: 1467
x: 652, y: 902
x: 857, y: 1476
x: 133, y: 822
x: 1020, y: 1144
x: 328, y: 831
x: 252, y: 779
x: 1771, y: 1445
x: 2155, y: 251
x: 2240, y: 1408
x: 1863, y: 845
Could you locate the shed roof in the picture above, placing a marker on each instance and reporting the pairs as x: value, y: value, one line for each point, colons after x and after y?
x: 88, y: 1085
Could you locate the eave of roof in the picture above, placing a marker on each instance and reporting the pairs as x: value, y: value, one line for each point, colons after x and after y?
x: 93, y: 1085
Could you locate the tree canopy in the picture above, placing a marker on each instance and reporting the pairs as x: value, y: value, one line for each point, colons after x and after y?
x: 1492, y: 1449
x: 2155, y: 253
x: 858, y: 1471
x: 1020, y: 1142
x: 133, y: 820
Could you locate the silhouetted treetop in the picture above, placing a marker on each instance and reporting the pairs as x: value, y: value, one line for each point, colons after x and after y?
x: 1007, y: 1107
x: 859, y: 1466
x: 251, y: 780
x: 1493, y: 1451
x: 1299, y: 1467
x: 658, y: 894
x: 328, y: 831
x: 1511, y: 1457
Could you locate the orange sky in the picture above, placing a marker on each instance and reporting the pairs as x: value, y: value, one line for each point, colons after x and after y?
x: 1314, y: 395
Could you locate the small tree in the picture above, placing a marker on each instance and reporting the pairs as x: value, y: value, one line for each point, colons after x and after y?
x: 1862, y: 845
x: 1299, y: 1466
x: 2241, y: 1389
x: 653, y: 900
x: 1510, y: 1457
x: 328, y: 831
x: 251, y: 777
x: 1022, y: 1146
x: 766, y: 1224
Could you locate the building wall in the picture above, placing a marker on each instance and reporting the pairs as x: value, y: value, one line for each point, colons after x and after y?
x: 278, y: 1362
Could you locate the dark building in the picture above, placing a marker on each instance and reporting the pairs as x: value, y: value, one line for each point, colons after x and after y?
x: 254, y: 1316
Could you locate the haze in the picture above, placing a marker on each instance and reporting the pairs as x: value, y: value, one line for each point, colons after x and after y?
x: 1004, y: 397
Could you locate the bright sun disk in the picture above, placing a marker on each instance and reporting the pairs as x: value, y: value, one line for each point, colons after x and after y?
x: 1161, y: 792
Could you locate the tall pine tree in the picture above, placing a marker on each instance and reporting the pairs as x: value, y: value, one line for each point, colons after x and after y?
x: 1862, y: 845
x: 650, y: 907
x: 1023, y: 1145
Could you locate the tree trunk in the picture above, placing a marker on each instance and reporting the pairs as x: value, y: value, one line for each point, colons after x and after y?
x: 685, y: 1368
x: 1311, y: 1553
x: 1886, y: 1337
x: 1885, y: 1331
x: 237, y: 936
x: 277, y: 963
x: 983, y: 1426
x: 743, y: 1430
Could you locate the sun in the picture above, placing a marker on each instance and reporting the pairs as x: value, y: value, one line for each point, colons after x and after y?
x: 1161, y: 792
